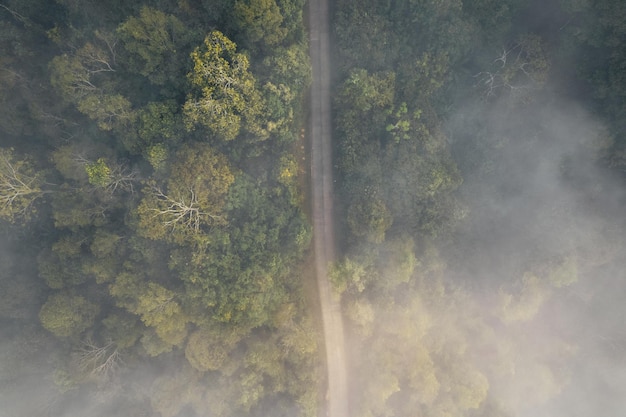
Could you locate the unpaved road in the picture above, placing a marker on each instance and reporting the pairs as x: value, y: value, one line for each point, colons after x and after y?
x: 322, y: 210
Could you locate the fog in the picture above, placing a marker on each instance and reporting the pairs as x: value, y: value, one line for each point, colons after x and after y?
x: 517, y: 310
x: 537, y: 195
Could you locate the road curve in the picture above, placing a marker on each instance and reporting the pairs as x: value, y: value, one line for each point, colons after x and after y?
x: 322, y: 210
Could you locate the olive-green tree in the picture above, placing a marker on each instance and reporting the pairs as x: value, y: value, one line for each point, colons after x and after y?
x: 67, y: 315
x: 225, y: 98
x: 155, y: 42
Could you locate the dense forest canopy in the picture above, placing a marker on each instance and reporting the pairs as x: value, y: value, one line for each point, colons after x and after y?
x: 154, y: 241
x: 149, y: 180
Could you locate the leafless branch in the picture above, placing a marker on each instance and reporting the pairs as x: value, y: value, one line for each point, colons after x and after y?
x: 15, y: 14
x: 181, y: 211
x: 99, y: 361
x: 16, y: 185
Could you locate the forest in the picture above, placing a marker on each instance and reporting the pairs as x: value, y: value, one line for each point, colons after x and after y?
x: 152, y: 209
x: 479, y: 149
x: 155, y: 230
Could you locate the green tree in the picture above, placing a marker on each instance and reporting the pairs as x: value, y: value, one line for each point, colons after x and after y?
x: 349, y: 275
x: 260, y: 20
x: 86, y: 78
x: 98, y: 172
x: 156, y: 42
x: 110, y: 176
x: 289, y: 65
x: 108, y: 110
x: 208, y: 347
x: 369, y: 218
x: 524, y: 304
x: 157, y: 307
x: 224, y: 97
x: 67, y: 315
x: 79, y: 75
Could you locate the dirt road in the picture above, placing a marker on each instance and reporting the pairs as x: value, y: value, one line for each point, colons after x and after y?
x: 322, y: 210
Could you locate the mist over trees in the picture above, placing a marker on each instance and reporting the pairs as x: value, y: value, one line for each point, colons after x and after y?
x: 478, y: 157
x: 153, y: 251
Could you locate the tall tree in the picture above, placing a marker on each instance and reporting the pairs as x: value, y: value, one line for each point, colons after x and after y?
x: 260, y: 20
x: 224, y: 98
x: 156, y: 43
x: 67, y: 315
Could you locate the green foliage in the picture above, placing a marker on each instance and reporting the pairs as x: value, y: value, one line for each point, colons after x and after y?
x: 98, y: 172
x: 67, y: 315
x: 288, y: 176
x: 122, y: 329
x: 260, y: 20
x: 199, y: 258
x: 156, y: 156
x: 348, y: 275
x: 524, y: 305
x: 158, y: 121
x: 369, y: 218
x: 208, y: 347
x: 564, y: 273
x: 156, y: 43
x: 225, y: 98
x: 109, y: 111
x: 158, y: 308
x: 289, y: 65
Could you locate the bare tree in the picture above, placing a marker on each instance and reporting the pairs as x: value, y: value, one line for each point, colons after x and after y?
x: 20, y: 186
x: 181, y: 211
x: 95, y: 60
x: 99, y: 362
x: 521, y: 67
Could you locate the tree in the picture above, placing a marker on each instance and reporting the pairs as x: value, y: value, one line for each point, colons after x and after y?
x: 20, y: 186
x: 525, y: 304
x: 225, y: 97
x: 110, y: 176
x: 369, y: 217
x: 108, y: 110
x: 519, y: 69
x: 156, y: 42
x: 158, y: 308
x: 193, y: 198
x: 289, y: 65
x: 97, y: 361
x: 75, y: 75
x: 208, y: 347
x: 83, y: 78
x: 348, y: 275
x: 67, y: 315
x: 260, y: 20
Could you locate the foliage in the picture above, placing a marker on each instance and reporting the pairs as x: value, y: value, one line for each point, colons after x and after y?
x: 155, y: 42
x: 66, y: 315
x: 165, y: 138
x: 98, y: 172
x: 156, y: 238
x: 225, y: 97
x: 260, y: 20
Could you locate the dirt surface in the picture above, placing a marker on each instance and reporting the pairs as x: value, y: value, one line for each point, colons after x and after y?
x: 322, y: 208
